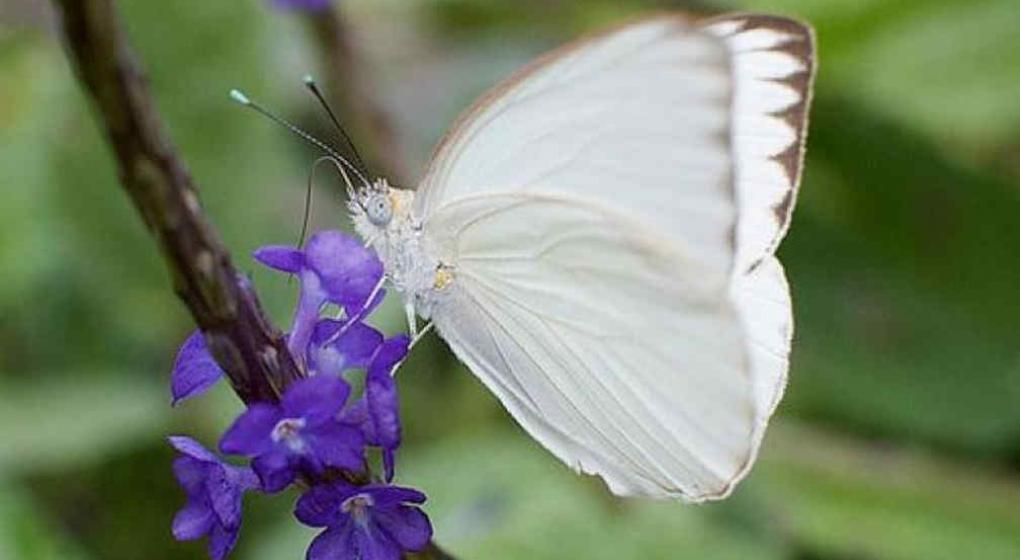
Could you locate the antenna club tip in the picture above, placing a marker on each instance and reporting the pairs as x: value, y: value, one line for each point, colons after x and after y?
x: 239, y: 97
x: 308, y: 80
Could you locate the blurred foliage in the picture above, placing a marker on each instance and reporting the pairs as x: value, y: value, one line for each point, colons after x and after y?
x: 26, y: 534
x: 46, y: 426
x: 900, y: 434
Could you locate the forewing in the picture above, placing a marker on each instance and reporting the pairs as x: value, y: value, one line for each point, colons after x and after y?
x: 636, y: 118
x: 607, y: 345
x: 772, y: 61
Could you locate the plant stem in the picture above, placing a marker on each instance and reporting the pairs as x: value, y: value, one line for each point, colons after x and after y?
x: 248, y: 348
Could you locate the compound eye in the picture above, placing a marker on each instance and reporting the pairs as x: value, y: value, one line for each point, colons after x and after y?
x: 379, y: 210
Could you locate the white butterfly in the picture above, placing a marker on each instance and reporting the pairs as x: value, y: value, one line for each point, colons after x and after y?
x: 595, y: 238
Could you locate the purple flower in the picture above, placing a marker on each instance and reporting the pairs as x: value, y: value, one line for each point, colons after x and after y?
x: 305, y: 5
x: 373, y: 522
x: 377, y: 413
x: 340, y: 345
x: 195, y: 370
x: 383, y: 402
x: 333, y: 268
x: 214, y: 491
x: 302, y: 433
x: 337, y: 346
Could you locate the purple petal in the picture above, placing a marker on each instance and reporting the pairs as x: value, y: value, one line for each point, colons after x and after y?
x: 311, y: 464
x: 316, y: 399
x: 389, y: 354
x: 335, y: 543
x: 192, y: 521
x: 349, y: 272
x: 280, y: 257
x: 408, y: 526
x: 251, y: 432
x: 221, y: 542
x: 191, y: 474
x: 325, y: 359
x: 243, y: 477
x: 383, y: 408
x: 358, y: 345
x: 353, y: 348
x: 326, y: 329
x: 373, y: 543
x: 389, y: 462
x: 336, y: 445
x: 366, y: 309
x: 275, y: 470
x: 381, y: 393
x: 306, y: 314
x: 191, y: 448
x: 369, y: 307
x: 320, y: 506
x: 386, y: 496
x: 194, y: 369
x: 357, y: 415
x: 224, y: 497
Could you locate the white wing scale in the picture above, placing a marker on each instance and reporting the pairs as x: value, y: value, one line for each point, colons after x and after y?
x: 763, y: 300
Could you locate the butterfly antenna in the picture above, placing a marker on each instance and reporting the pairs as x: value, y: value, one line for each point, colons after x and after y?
x: 243, y: 99
x: 313, y: 87
x: 308, y: 192
x: 308, y: 208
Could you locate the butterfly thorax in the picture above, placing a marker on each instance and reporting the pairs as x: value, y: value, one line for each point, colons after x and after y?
x: 384, y: 217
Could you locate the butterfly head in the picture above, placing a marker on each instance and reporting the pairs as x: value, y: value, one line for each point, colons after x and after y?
x: 383, y: 216
x: 378, y: 208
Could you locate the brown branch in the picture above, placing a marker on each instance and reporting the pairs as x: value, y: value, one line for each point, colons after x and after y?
x: 248, y: 348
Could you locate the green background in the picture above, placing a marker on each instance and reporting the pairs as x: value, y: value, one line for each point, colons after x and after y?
x: 899, y: 437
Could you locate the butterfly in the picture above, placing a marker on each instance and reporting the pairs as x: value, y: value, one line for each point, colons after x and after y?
x: 595, y: 240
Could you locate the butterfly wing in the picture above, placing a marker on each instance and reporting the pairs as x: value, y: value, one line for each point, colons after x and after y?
x: 762, y: 299
x: 773, y: 67
x: 606, y: 344
x: 591, y: 208
x: 626, y: 117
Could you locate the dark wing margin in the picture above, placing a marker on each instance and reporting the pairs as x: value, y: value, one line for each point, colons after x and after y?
x: 774, y: 65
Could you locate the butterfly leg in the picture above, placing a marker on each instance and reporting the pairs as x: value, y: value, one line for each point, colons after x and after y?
x: 414, y: 340
x: 412, y: 319
x: 421, y: 334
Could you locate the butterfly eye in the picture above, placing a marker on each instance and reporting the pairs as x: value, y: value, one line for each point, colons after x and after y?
x: 379, y: 210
